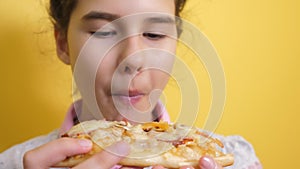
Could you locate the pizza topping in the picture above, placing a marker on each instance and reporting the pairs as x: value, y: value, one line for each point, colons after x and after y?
x: 89, y: 126
x: 157, y: 126
x: 65, y: 135
x: 165, y: 136
x: 137, y: 132
x: 219, y: 143
x: 142, y: 148
x: 106, y: 137
x: 181, y: 126
x: 184, y: 141
x: 187, y: 152
x: 123, y: 124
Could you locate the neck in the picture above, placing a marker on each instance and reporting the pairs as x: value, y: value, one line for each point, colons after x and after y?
x: 86, y: 114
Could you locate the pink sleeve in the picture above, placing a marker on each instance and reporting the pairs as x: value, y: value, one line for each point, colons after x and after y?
x: 162, y: 112
x: 68, y: 121
x: 72, y: 112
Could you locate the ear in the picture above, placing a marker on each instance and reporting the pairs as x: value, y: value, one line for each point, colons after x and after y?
x: 62, y: 49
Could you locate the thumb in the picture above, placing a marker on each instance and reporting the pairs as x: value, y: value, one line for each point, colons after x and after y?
x: 107, y: 158
x: 208, y: 162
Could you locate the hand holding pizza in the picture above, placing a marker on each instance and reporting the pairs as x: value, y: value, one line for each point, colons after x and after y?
x: 207, y: 162
x: 53, y: 152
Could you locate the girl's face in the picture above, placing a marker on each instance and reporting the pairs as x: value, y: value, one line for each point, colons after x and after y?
x: 134, y: 67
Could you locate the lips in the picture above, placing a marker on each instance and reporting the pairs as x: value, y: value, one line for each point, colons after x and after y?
x: 131, y: 96
x: 134, y: 93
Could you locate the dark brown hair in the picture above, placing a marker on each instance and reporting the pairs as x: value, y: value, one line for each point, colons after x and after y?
x: 61, y: 10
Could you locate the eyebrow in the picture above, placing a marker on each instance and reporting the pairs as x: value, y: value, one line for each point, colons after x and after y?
x: 100, y: 15
x: 94, y: 15
x: 160, y: 19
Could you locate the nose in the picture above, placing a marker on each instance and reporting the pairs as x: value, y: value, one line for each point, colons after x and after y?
x: 131, y: 60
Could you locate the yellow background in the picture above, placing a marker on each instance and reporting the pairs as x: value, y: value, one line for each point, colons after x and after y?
x: 258, y: 43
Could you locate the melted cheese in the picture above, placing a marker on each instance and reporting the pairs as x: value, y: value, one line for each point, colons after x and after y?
x: 146, y: 148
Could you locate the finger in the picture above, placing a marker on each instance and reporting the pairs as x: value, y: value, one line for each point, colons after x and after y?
x: 158, y: 167
x: 208, y: 162
x: 186, y: 167
x: 107, y: 158
x: 55, y: 151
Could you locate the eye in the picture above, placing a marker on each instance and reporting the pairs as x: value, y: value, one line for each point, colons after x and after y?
x: 103, y: 34
x: 154, y: 36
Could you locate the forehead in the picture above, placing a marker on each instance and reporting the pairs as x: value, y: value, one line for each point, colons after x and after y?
x: 124, y: 7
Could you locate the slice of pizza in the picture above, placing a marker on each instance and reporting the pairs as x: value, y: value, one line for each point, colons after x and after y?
x: 153, y: 143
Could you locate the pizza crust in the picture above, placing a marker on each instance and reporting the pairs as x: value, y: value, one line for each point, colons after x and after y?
x: 174, y: 161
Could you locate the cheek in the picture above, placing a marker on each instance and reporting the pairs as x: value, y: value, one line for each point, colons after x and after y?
x: 76, y: 42
x: 173, y: 46
x: 159, y: 78
x: 105, y: 71
x: 162, y: 76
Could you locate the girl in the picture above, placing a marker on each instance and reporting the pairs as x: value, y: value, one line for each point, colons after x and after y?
x: 88, y: 37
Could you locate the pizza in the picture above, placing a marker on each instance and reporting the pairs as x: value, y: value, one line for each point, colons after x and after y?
x: 152, y: 143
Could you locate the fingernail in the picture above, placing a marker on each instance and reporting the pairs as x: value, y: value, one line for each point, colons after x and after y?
x: 120, y: 148
x: 207, y: 163
x: 85, y: 143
